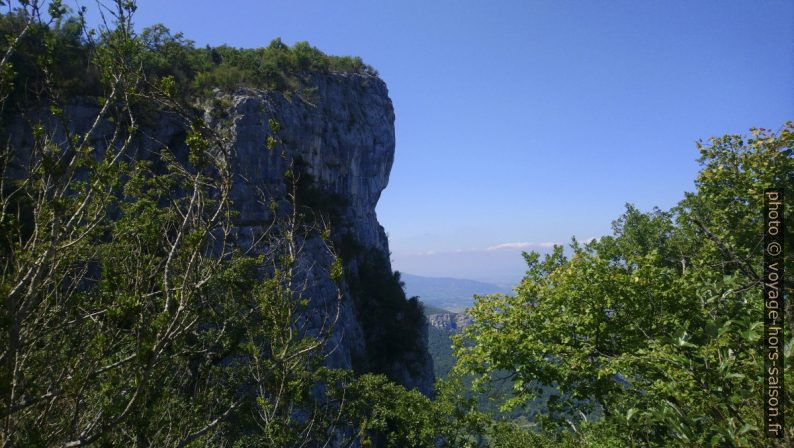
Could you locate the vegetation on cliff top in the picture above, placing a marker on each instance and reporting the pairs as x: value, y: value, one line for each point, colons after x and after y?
x: 166, y: 59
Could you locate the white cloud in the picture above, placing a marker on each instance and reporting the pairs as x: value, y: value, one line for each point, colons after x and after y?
x: 517, y: 245
x: 522, y: 245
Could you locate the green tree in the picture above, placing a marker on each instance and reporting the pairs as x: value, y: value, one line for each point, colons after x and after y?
x: 129, y: 315
x: 656, y: 328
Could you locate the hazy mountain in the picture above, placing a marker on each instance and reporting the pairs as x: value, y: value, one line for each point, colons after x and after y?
x: 452, y: 294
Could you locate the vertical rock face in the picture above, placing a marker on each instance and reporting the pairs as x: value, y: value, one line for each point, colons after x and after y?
x: 342, y: 133
x: 450, y: 322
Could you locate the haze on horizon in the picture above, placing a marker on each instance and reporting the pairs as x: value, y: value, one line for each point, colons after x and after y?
x: 521, y: 124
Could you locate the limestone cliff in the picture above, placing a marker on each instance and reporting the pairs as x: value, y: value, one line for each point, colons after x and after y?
x: 343, y: 134
x: 340, y: 132
x: 450, y: 322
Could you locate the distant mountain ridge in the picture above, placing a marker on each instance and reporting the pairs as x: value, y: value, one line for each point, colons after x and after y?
x: 452, y: 294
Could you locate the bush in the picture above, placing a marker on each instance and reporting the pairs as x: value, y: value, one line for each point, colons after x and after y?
x: 65, y: 51
x: 379, y: 298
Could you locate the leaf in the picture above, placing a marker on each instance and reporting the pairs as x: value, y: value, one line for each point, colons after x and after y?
x: 683, y: 341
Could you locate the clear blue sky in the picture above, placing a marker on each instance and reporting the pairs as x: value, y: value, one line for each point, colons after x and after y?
x: 529, y: 122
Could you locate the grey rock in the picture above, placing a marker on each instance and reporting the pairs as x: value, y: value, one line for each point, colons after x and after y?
x: 452, y: 322
x: 343, y: 131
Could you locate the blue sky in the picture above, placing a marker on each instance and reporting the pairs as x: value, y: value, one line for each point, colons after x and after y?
x: 523, y: 123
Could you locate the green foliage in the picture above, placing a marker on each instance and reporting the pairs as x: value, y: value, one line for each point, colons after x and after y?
x: 392, y: 324
x: 439, y: 344
x: 277, y: 66
x: 314, y: 202
x: 657, y: 326
x: 57, y: 46
x: 168, y: 60
x: 129, y: 317
x: 385, y: 414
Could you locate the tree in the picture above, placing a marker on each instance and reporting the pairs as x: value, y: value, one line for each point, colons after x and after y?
x: 130, y: 315
x: 656, y: 328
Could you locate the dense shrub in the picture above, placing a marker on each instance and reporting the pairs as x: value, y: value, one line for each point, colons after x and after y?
x: 379, y: 298
x: 658, y: 327
x: 65, y: 51
x: 277, y: 66
x: 313, y: 201
x: 54, y: 57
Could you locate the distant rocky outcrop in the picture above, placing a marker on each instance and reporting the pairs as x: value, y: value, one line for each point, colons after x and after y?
x: 450, y: 322
x: 441, y: 327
